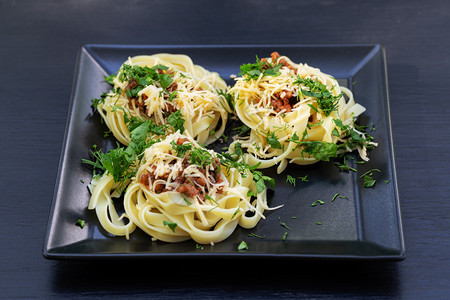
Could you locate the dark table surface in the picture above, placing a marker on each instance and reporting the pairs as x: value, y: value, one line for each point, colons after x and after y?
x: 39, y: 43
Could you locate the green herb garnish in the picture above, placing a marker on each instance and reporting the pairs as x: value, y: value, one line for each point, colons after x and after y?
x: 171, y: 225
x: 140, y: 77
x: 290, y: 179
x: 80, y: 223
x: 242, y: 246
x: 176, y: 121
x: 253, y: 71
x: 121, y: 163
x: 272, y: 140
x: 317, y: 202
x: 368, y: 179
x: 326, y: 101
x: 255, y: 235
x: 304, y: 178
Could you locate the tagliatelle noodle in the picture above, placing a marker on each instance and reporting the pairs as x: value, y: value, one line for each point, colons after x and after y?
x: 229, y: 200
x: 102, y: 194
x: 254, y: 107
x: 204, y: 110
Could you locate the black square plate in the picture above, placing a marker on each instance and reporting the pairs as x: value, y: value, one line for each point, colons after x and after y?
x: 360, y: 223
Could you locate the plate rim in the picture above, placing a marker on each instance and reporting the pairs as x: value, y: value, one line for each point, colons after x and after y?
x: 89, y: 49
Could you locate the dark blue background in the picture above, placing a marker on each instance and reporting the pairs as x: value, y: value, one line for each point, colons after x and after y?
x: 39, y: 42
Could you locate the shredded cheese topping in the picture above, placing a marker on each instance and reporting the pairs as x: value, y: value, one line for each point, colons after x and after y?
x: 175, y: 197
x: 298, y: 105
x: 194, y: 92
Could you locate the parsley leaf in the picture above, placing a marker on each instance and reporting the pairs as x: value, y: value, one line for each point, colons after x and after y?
x: 242, y: 246
x: 353, y: 136
x: 260, y: 181
x: 140, y: 77
x: 201, y: 157
x: 290, y: 179
x: 234, y: 160
x: 368, y: 179
x: 121, y: 163
x: 318, y: 149
x: 181, y: 149
x: 176, y: 121
x: 110, y: 79
x: 272, y: 140
x: 171, y: 225
x: 253, y: 71
x: 97, y: 101
x: 326, y: 101
x: 81, y: 223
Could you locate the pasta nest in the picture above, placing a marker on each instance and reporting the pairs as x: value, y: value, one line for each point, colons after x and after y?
x: 194, y: 92
x: 182, y: 191
x: 284, y: 111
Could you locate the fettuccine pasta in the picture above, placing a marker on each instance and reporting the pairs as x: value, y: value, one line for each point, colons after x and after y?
x: 169, y: 90
x: 182, y: 191
x: 296, y: 113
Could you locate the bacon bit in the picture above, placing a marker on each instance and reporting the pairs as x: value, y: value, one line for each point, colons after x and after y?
x: 144, y: 179
x: 189, y: 190
x: 159, y: 188
x: 275, y: 58
x: 169, y: 109
x: 218, y: 178
x: 181, y: 141
x: 131, y: 84
x: 274, y: 55
x: 283, y: 101
x: 200, y: 181
x: 192, y: 187
x: 172, y: 87
x: 285, y: 95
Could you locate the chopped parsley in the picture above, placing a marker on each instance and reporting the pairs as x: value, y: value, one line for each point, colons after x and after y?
x: 353, y: 135
x: 97, y: 101
x: 290, y: 179
x: 304, y: 178
x: 81, y: 223
x: 334, y: 197
x: 242, y: 129
x: 283, y: 224
x: 171, y: 225
x: 272, y: 140
x: 255, y: 235
x: 326, y: 101
x: 144, y: 76
x: 229, y: 98
x: 368, y: 178
x: 260, y: 181
x: 181, y: 150
x: 253, y: 71
x: 110, y: 79
x: 318, y: 149
x: 344, y: 167
x: 176, y: 121
x: 317, y: 202
x: 201, y: 157
x: 121, y: 163
x: 242, y: 246
x: 234, y: 160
